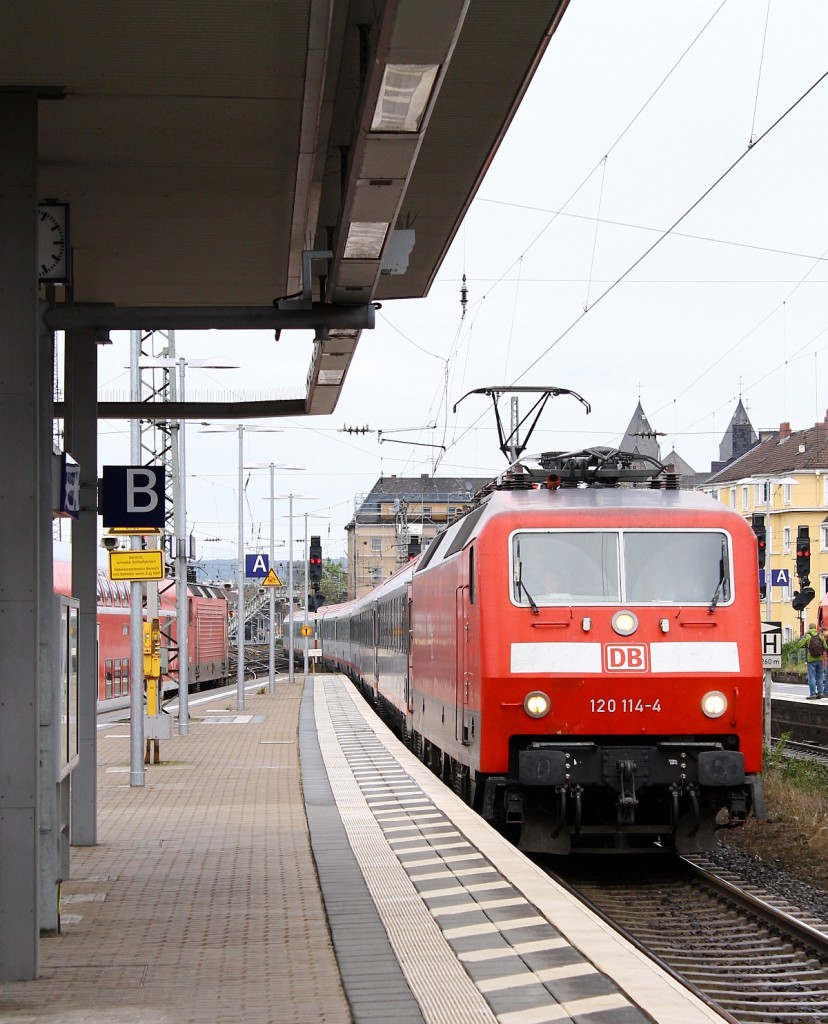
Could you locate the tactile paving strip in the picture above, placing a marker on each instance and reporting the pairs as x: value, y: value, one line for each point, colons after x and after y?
x: 471, y: 946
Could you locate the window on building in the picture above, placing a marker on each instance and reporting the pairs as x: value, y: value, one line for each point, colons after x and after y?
x: 733, y: 497
x: 745, y: 500
x: 823, y: 536
x: 427, y: 512
x: 758, y: 494
x: 823, y: 585
x: 786, y: 492
x: 786, y: 540
x: 376, y: 543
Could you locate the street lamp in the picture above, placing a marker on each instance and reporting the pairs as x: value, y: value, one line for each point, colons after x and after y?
x: 219, y: 428
x: 180, y: 523
x: 307, y: 570
x: 271, y: 672
x: 298, y: 497
x: 768, y: 483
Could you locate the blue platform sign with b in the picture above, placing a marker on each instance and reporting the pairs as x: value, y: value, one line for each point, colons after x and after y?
x: 133, y: 496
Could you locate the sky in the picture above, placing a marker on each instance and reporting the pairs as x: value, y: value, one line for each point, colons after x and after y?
x: 654, y: 228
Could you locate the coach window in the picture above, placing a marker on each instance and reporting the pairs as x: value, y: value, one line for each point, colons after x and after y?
x: 108, y: 677
x: 116, y: 691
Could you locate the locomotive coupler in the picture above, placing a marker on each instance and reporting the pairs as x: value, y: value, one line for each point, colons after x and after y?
x: 577, y: 792
x: 675, y: 794
x: 513, y: 806
x: 626, y: 798
x: 561, y: 793
x: 693, y: 794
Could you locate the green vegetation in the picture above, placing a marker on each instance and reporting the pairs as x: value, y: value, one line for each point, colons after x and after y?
x: 793, y: 658
x: 798, y: 773
x: 796, y: 792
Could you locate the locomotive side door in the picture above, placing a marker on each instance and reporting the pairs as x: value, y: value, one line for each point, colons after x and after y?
x: 463, y: 676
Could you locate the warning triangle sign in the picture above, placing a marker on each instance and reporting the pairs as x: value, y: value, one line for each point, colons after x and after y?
x: 272, y: 580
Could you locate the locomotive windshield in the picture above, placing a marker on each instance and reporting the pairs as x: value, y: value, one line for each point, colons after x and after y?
x: 628, y: 566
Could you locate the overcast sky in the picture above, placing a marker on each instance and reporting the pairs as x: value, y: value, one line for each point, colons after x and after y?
x: 633, y: 124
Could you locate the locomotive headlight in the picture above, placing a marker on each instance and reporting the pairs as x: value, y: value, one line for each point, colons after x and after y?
x: 624, y: 623
x: 536, y: 704
x: 714, y: 704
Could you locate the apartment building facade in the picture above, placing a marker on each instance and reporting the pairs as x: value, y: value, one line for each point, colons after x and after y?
x: 398, y: 516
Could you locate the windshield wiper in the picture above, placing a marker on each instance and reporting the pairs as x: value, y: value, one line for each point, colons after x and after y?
x: 518, y: 574
x: 529, y: 597
x: 717, y: 593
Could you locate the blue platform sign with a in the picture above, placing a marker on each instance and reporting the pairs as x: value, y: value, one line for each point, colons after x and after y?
x: 780, y: 578
x: 256, y: 565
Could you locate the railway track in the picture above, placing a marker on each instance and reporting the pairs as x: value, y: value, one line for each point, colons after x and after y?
x: 752, y: 956
x: 803, y: 750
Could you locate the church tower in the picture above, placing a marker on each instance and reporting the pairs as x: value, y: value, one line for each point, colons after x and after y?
x: 640, y: 437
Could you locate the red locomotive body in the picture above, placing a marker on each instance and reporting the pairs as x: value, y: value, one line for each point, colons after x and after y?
x: 584, y: 664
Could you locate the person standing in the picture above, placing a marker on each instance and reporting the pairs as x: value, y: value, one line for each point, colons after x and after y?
x: 815, y: 649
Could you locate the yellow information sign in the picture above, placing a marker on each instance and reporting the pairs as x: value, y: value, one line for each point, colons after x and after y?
x: 133, y: 531
x: 272, y: 580
x: 306, y: 631
x: 136, y: 565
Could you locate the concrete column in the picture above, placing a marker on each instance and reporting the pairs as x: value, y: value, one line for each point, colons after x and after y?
x: 81, y: 431
x: 19, y: 556
x: 52, y: 838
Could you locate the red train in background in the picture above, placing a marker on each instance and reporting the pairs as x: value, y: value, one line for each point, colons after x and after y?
x: 579, y: 656
x: 208, y: 612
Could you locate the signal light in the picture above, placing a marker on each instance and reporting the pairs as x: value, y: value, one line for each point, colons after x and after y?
x: 803, y: 554
x: 414, y: 548
x: 315, y: 562
x: 803, y: 597
x: 758, y: 524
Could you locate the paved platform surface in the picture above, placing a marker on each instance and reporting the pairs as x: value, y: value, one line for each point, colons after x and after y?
x: 296, y: 863
x: 200, y: 902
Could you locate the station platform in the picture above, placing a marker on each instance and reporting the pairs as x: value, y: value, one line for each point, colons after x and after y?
x: 296, y: 863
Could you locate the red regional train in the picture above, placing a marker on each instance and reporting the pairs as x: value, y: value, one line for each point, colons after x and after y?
x: 579, y: 656
x: 208, y: 613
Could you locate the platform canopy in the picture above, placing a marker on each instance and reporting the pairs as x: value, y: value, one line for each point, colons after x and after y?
x: 204, y: 145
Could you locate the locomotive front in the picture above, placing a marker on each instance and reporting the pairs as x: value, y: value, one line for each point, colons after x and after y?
x: 620, y: 669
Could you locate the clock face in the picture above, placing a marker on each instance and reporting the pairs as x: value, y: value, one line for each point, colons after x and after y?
x: 52, y: 242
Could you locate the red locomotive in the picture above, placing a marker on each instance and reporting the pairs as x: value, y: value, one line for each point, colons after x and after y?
x: 579, y: 656
x: 207, y: 608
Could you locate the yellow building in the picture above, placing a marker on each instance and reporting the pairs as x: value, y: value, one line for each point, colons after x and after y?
x: 783, y: 482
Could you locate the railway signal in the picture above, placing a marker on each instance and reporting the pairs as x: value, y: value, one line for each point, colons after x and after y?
x: 758, y: 524
x: 802, y: 598
x: 803, y: 555
x: 315, y: 562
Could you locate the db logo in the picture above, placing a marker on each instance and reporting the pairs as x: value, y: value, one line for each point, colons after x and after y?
x: 626, y: 657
